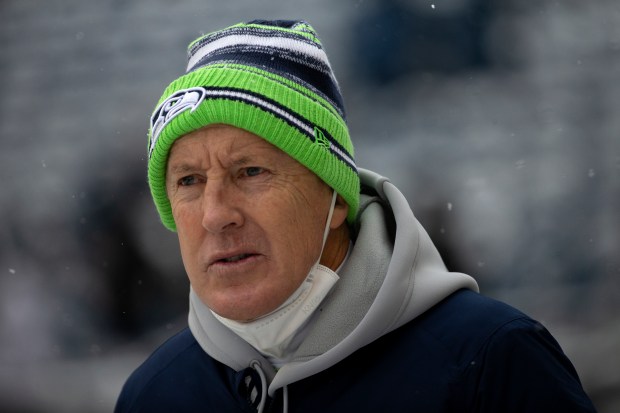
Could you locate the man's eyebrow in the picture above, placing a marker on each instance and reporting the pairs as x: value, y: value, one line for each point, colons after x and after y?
x: 181, y: 168
x: 184, y: 167
x: 244, y: 160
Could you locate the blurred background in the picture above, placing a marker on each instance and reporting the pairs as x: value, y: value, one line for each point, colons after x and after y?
x: 499, y: 120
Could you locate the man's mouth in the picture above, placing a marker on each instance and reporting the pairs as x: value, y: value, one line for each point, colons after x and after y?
x: 232, y: 257
x: 235, y: 258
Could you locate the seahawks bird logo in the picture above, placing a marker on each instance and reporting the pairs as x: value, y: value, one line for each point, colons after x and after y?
x: 171, y: 108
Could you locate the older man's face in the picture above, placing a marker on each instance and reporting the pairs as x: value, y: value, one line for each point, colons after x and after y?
x: 250, y: 219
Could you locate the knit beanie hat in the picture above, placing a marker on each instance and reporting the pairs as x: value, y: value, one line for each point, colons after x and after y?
x: 271, y: 78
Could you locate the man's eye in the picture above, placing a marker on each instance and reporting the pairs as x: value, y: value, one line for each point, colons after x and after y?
x: 187, y: 180
x: 253, y: 171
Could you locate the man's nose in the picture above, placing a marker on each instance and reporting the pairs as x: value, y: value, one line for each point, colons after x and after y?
x: 220, y: 208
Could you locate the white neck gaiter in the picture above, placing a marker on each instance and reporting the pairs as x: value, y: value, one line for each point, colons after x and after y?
x: 273, y: 333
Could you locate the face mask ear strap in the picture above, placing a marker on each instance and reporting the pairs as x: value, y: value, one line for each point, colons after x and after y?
x: 329, y: 221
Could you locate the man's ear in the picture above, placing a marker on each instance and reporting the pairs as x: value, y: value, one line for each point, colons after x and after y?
x: 341, y: 209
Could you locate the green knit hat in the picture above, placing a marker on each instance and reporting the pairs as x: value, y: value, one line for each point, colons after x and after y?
x: 271, y: 78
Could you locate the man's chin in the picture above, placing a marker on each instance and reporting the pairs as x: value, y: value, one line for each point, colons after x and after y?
x: 239, y: 309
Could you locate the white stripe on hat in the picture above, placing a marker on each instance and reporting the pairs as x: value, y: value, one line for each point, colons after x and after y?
x: 344, y: 156
x: 239, y: 40
x: 262, y: 103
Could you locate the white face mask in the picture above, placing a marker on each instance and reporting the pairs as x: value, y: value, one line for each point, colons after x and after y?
x: 273, y: 333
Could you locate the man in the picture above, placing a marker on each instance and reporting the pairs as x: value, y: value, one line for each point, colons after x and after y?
x: 313, y: 286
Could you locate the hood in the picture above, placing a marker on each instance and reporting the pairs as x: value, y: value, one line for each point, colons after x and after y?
x: 393, y: 275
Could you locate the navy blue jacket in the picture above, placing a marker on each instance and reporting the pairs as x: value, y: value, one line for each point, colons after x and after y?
x: 468, y: 353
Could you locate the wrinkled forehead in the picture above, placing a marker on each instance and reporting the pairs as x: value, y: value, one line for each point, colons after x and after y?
x: 223, y: 139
